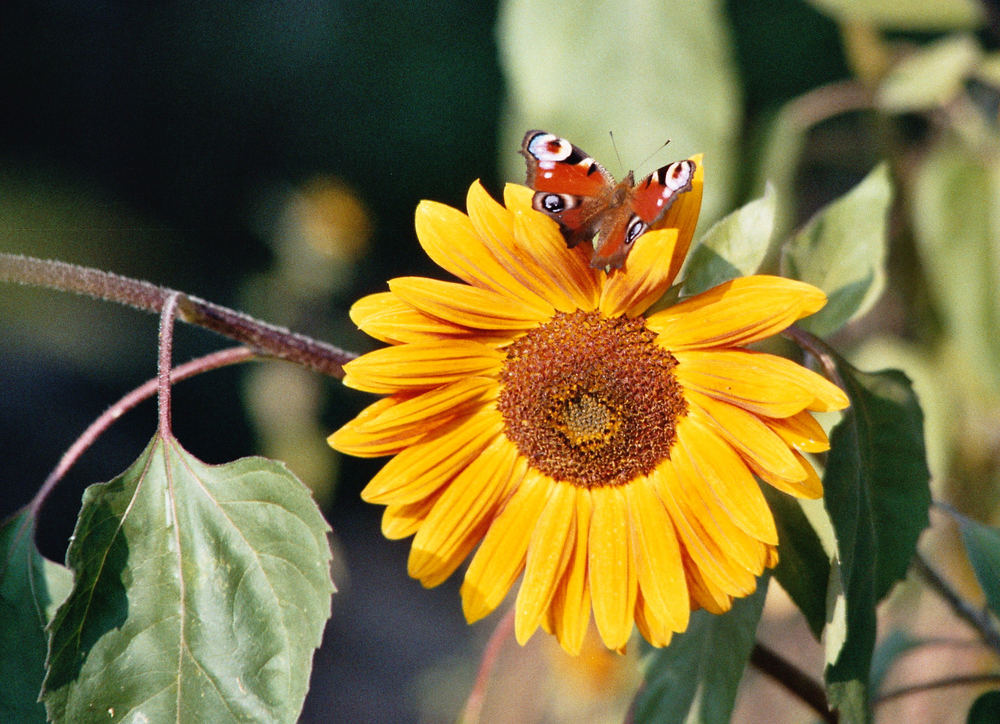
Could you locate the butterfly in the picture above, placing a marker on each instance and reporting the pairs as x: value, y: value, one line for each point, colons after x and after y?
x: 587, y: 202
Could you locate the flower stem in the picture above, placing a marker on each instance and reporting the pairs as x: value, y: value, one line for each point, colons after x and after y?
x: 979, y: 620
x: 474, y: 704
x: 266, y: 339
x: 164, y: 361
x: 233, y: 355
x: 793, y: 679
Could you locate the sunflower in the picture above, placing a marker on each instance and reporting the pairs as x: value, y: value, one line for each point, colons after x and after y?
x: 542, y: 420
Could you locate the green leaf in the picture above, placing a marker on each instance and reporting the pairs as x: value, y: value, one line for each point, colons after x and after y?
x: 201, y: 592
x: 31, y: 588
x: 733, y: 247
x: 779, y: 150
x: 647, y: 71
x: 803, y: 565
x: 906, y: 14
x: 985, y: 709
x: 877, y: 494
x: 696, y: 677
x: 930, y: 77
x: 842, y: 251
x: 982, y: 544
x: 956, y: 220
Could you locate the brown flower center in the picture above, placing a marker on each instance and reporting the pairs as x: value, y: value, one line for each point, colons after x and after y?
x: 591, y: 400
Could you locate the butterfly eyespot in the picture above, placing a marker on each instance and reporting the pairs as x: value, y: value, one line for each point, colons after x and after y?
x: 635, y: 229
x: 549, y: 147
x: 553, y: 203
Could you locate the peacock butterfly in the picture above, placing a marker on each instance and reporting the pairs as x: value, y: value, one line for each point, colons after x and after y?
x: 579, y: 193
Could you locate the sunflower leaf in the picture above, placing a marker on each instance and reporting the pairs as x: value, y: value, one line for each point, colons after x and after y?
x: 985, y: 709
x: 201, y: 592
x: 31, y: 588
x: 735, y: 246
x: 877, y: 495
x: 842, y: 251
x: 695, y: 678
x: 803, y: 566
x: 982, y: 544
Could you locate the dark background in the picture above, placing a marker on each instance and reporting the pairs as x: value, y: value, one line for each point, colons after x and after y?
x: 176, y: 121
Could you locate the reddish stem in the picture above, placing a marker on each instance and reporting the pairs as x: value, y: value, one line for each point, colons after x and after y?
x: 474, y: 704
x: 233, y: 355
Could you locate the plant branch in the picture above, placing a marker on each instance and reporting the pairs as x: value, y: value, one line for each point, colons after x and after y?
x: 233, y: 355
x: 474, y: 704
x: 792, y: 678
x: 266, y: 339
x: 979, y: 620
x: 164, y: 362
x: 960, y: 680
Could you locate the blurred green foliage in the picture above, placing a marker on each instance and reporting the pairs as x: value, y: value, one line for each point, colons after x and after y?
x: 177, y: 141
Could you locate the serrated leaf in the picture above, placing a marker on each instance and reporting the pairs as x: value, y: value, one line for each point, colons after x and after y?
x: 956, y: 222
x: 696, y: 677
x: 906, y: 14
x: 201, y: 592
x: 803, y: 565
x: 734, y: 246
x: 930, y: 77
x: 572, y: 68
x: 876, y: 490
x: 842, y: 251
x: 985, y: 709
x: 982, y: 544
x: 31, y: 588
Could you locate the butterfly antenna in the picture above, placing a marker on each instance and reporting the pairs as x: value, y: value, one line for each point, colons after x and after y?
x: 665, y: 144
x: 621, y: 166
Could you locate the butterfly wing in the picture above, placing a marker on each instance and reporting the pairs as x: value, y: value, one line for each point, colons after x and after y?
x: 655, y: 193
x: 647, y: 203
x: 569, y: 185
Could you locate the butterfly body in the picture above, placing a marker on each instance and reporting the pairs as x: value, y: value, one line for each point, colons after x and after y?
x: 589, y: 205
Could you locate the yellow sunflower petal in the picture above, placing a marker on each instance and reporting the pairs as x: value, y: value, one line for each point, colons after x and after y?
x: 569, y: 612
x: 658, y: 557
x: 762, y: 383
x: 683, y: 216
x: 653, y: 628
x: 705, y: 593
x: 723, y: 553
x: 500, y: 558
x: 388, y: 318
x: 464, y: 511
x: 750, y: 435
x: 402, y: 521
x: 810, y: 487
x: 721, y: 471
x: 351, y: 439
x: 550, y: 550
x: 644, y: 279
x: 736, y: 313
x: 532, y: 252
x: 420, y: 366
x: 613, y: 582
x: 429, y: 409
x: 421, y: 469
x: 800, y: 432
x: 452, y: 242
x: 466, y: 306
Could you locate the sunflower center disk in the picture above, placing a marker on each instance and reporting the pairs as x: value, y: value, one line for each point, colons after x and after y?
x: 591, y: 400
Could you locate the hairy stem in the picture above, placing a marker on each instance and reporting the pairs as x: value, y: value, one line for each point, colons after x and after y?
x: 212, y: 361
x: 266, y: 339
